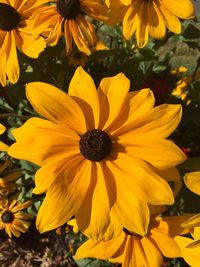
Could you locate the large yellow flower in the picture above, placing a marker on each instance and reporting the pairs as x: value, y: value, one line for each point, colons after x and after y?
x: 12, y: 218
x: 133, y: 250
x: 68, y: 17
x: 99, y: 152
x: 15, y: 32
x: 151, y: 17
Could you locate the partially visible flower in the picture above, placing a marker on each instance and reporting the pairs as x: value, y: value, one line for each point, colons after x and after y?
x: 133, y: 250
x: 103, y: 144
x: 7, y: 184
x: 12, y: 218
x: 69, y: 18
x: 192, y: 181
x: 190, y: 247
x: 184, y: 79
x: 16, y: 33
x: 144, y: 18
x: 3, y: 147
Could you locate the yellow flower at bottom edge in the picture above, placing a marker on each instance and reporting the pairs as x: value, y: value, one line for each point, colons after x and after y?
x: 133, y: 250
x: 97, y: 150
x: 16, y: 33
x: 3, y: 147
x: 152, y: 17
x: 12, y: 218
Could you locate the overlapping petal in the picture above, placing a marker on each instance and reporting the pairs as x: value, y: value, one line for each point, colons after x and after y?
x: 65, y: 195
x: 55, y: 105
x: 46, y: 140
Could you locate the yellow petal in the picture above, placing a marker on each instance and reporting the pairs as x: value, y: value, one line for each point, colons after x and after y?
x: 190, y: 255
x: 100, y: 249
x: 113, y: 92
x: 138, y: 104
x: 161, y: 154
x: 152, y: 253
x: 158, y: 123
x: 55, y: 105
x: 12, y: 61
x: 193, y: 221
x: 183, y: 9
x: 82, y: 87
x: 171, y: 21
x: 65, y: 196
x: 142, y: 32
x: 3, y: 147
x: 48, y: 141
x: 28, y: 45
x: 157, y: 27
x: 192, y: 181
x: 93, y: 215
x: 130, y: 20
x: 137, y: 176
x: 165, y: 243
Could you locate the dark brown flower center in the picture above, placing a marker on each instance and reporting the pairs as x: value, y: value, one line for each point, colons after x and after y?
x: 95, y: 145
x: 7, y: 216
x: 68, y: 9
x: 9, y: 17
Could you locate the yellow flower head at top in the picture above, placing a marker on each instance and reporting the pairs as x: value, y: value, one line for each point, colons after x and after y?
x: 16, y: 32
x: 100, y: 153
x: 12, y: 218
x: 133, y: 250
x: 152, y: 17
x: 68, y: 17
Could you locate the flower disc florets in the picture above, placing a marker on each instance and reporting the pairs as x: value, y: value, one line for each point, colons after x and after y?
x: 68, y: 9
x: 9, y: 17
x: 7, y: 216
x: 95, y: 145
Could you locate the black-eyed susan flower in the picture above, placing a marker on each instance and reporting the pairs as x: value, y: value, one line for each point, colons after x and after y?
x: 133, y: 250
x: 16, y: 33
x: 3, y: 147
x: 98, y: 151
x: 152, y: 17
x: 12, y: 217
x: 69, y: 18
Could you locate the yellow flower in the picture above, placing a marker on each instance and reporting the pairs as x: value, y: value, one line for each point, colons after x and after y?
x: 6, y: 183
x: 190, y: 247
x: 97, y: 150
x: 3, y: 147
x: 15, y: 32
x: 12, y: 218
x: 151, y: 17
x: 133, y: 250
x: 192, y: 181
x: 66, y: 17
